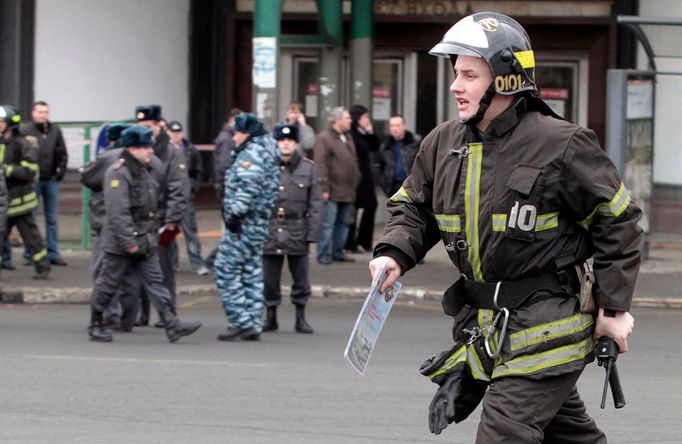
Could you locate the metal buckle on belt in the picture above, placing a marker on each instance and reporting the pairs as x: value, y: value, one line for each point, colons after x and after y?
x: 280, y: 215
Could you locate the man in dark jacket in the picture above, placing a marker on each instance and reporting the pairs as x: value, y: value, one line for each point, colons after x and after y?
x: 19, y: 157
x: 296, y: 221
x: 188, y: 225
x: 52, y: 158
x: 339, y: 178
x: 397, y: 154
x: 175, y: 196
x: 130, y: 238
x: 366, y: 142
x: 521, y: 200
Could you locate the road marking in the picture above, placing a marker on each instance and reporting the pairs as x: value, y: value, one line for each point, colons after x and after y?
x: 146, y: 361
x: 195, y: 301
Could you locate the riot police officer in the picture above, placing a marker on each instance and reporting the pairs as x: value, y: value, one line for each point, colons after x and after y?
x: 250, y: 191
x: 130, y: 238
x: 19, y: 157
x: 296, y: 221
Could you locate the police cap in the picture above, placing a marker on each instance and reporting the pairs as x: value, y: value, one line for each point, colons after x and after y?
x: 248, y: 123
x: 148, y: 112
x: 285, y: 132
x: 175, y: 126
x: 136, y: 136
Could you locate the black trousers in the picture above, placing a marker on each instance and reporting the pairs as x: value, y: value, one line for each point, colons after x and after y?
x: 549, y: 410
x: 361, y: 235
x: 272, y: 277
x: 113, y: 271
x: 30, y: 234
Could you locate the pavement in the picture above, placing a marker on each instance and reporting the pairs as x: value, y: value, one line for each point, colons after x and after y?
x: 658, y: 285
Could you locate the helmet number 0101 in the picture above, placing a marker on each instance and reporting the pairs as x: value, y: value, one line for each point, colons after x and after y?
x: 510, y: 82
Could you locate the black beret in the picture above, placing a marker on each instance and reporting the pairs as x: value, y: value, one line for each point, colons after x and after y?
x: 248, y: 123
x: 114, y: 131
x: 148, y: 112
x: 285, y: 132
x: 175, y: 126
x: 136, y: 136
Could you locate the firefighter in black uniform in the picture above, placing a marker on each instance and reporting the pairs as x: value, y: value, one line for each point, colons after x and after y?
x: 130, y: 238
x: 295, y: 223
x: 19, y: 157
x: 521, y: 199
x: 175, y: 195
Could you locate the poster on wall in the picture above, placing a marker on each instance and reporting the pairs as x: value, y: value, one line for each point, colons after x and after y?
x: 264, y: 62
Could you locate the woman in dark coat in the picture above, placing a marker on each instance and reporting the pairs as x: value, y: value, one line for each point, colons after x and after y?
x: 365, y: 197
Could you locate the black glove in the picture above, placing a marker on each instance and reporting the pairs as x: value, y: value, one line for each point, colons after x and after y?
x: 234, y: 224
x: 455, y: 399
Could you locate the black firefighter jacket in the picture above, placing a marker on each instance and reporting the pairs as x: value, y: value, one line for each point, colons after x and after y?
x: 297, y: 216
x: 131, y: 200
x: 52, y: 155
x: 19, y: 157
x: 538, y: 191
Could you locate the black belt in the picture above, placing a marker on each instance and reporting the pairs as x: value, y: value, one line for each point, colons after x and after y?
x: 507, y: 294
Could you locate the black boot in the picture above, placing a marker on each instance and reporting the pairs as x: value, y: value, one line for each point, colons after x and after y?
x: 302, y: 325
x: 270, y: 323
x: 175, y: 328
x: 96, y: 331
x: 42, y: 270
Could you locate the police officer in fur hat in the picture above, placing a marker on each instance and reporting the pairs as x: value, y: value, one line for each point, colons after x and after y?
x: 129, y: 236
x: 296, y: 221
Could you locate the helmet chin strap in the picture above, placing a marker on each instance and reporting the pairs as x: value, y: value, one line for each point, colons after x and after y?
x: 482, y: 106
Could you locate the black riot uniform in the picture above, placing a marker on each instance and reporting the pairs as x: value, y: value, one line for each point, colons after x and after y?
x: 296, y: 221
x: 19, y: 157
x: 519, y: 207
x: 131, y: 202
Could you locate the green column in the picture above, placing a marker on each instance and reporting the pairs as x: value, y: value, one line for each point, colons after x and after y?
x: 362, y: 52
x: 331, y: 27
x: 266, y: 35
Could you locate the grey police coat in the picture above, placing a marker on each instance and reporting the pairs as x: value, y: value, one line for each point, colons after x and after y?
x: 297, y: 216
x: 92, y: 176
x: 131, y: 200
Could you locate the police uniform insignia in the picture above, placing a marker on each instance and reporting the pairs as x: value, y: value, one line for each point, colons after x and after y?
x: 246, y: 164
x: 182, y: 166
x: 114, y: 183
x: 140, y: 115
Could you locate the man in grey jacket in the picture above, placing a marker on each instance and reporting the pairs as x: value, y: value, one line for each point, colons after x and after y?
x: 296, y: 222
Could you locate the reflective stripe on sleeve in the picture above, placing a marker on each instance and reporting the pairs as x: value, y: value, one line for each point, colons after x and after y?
x: 401, y: 196
x: 456, y: 357
x: 528, y: 364
x: 29, y: 165
x: 612, y: 208
x: 551, y: 330
x: 449, y: 223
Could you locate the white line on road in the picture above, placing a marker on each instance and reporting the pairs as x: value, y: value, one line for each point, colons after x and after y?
x: 147, y: 361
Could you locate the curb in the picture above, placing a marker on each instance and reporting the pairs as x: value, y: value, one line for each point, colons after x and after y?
x: 79, y: 295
